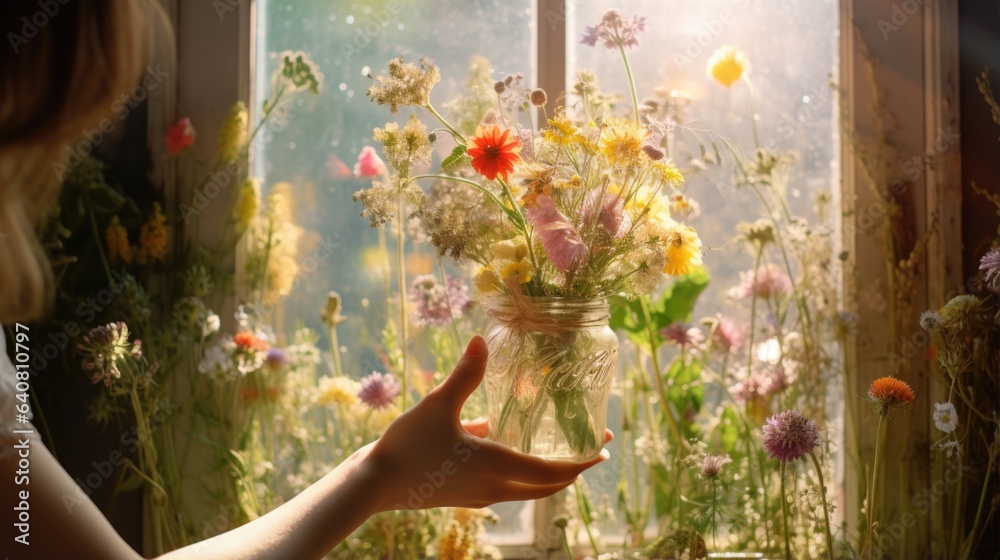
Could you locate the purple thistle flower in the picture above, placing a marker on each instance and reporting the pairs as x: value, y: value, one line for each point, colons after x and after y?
x: 378, y: 390
x: 275, y: 359
x: 990, y: 265
x: 711, y: 465
x: 789, y: 435
x: 563, y: 245
x: 437, y: 304
x: 614, y: 29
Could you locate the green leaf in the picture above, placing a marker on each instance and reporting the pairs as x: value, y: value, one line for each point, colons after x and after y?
x: 678, y: 300
x: 454, y: 159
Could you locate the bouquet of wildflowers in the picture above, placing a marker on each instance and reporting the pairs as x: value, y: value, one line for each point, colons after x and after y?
x: 575, y: 205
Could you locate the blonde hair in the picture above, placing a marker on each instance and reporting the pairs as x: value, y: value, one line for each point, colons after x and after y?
x: 58, y: 77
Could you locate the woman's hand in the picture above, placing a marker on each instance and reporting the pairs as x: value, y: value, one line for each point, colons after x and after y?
x: 429, y: 458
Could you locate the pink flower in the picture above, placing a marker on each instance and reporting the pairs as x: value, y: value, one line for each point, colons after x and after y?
x: 612, y: 213
x: 563, y: 245
x: 790, y: 435
x: 769, y: 281
x: 368, y: 164
x: 180, y: 136
x: 727, y: 336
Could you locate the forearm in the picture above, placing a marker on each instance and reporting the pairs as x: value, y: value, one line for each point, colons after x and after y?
x: 308, y: 526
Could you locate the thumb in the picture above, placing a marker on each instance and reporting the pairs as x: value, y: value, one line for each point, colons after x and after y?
x: 467, y: 375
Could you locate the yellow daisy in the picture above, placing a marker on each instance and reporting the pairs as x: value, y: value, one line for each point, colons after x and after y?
x: 621, y: 142
x: 683, y: 248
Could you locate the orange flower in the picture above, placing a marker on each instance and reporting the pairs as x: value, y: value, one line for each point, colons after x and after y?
x: 494, y: 152
x: 890, y: 392
x: 247, y: 341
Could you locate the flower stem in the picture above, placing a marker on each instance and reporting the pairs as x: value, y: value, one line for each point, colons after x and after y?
x: 631, y: 83
x: 97, y: 241
x: 826, y: 511
x: 585, y: 516
x: 664, y: 403
x: 870, y: 499
x: 401, y: 272
x: 784, y: 511
x: 459, y: 138
x: 335, y: 351
x: 753, y: 113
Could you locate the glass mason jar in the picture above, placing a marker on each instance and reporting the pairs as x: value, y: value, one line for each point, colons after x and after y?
x: 551, y: 364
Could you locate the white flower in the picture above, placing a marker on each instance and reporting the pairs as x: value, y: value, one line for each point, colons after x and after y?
x: 217, y: 362
x: 210, y: 326
x: 945, y: 417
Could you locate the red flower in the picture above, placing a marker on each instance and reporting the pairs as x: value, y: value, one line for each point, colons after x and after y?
x: 494, y: 151
x: 247, y: 341
x: 891, y: 392
x: 180, y: 136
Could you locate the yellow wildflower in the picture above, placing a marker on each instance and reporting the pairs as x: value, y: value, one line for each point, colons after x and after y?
x: 512, y: 249
x: 247, y: 203
x: 573, y: 182
x: 456, y: 543
x: 153, y: 237
x: 116, y: 237
x: 683, y: 248
x: 668, y: 173
x: 621, y: 141
x: 337, y: 390
x: 727, y: 65
x: 646, y: 201
x: 561, y: 130
x: 487, y: 280
x: 520, y: 271
x: 233, y: 133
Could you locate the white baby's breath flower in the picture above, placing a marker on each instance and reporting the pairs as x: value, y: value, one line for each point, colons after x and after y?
x: 210, y: 326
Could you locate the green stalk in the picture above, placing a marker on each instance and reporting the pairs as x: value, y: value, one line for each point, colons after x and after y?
x: 581, y: 504
x: 98, y: 240
x: 784, y: 512
x: 459, y: 137
x: 631, y: 83
x: 664, y: 403
x: 826, y: 512
x: 753, y: 113
x: 335, y: 351
x: 866, y: 548
x: 401, y: 272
